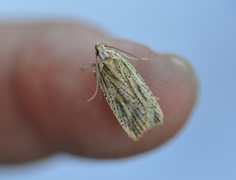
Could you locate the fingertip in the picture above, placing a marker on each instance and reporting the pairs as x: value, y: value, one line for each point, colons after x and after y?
x: 53, y: 91
x: 171, y: 79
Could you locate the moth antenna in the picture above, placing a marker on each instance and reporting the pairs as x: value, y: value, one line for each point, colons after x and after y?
x: 124, y: 52
x: 96, y: 91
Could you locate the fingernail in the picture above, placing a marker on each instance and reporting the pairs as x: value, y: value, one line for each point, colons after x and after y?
x: 182, y: 63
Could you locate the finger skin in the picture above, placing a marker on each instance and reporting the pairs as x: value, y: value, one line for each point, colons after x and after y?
x: 43, y: 93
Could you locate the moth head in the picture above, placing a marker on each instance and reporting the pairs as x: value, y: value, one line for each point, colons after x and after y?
x: 99, y: 47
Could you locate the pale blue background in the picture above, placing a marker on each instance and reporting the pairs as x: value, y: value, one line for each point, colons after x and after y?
x: 204, y: 32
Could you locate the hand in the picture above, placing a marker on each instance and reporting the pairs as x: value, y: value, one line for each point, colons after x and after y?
x: 43, y: 93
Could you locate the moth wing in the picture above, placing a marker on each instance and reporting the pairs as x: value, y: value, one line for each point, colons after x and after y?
x: 129, y: 97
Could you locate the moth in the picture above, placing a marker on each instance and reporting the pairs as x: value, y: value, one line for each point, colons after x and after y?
x: 128, y: 96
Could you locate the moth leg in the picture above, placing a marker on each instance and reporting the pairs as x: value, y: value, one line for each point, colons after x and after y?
x: 91, y: 65
x: 101, y: 94
x: 157, y: 98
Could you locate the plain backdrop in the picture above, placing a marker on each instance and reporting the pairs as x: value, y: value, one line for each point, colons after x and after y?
x: 202, y: 31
